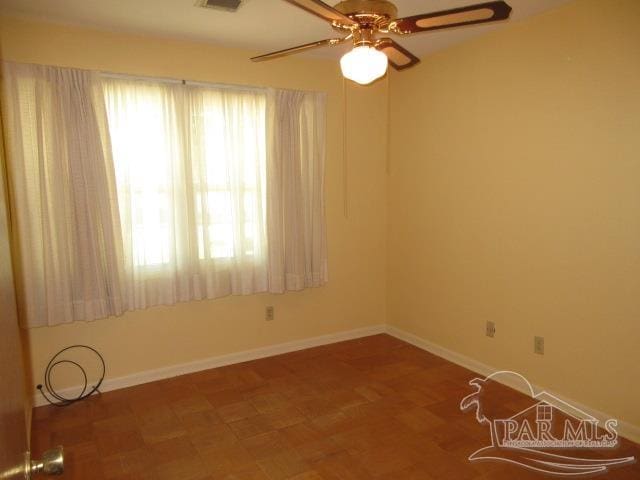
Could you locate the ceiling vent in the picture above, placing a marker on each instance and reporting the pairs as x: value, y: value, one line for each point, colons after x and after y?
x: 228, y: 5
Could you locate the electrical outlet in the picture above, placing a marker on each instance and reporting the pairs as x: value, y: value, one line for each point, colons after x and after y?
x: 269, y: 313
x: 491, y: 329
x: 538, y: 345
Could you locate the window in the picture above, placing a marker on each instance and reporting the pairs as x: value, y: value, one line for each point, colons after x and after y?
x: 189, y: 162
x: 239, y: 145
x: 142, y: 160
x: 544, y: 412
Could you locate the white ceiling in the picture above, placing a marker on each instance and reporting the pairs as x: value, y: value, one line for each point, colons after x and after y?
x: 258, y: 25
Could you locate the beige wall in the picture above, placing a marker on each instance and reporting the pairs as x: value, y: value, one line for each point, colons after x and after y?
x: 514, y: 197
x: 355, y: 295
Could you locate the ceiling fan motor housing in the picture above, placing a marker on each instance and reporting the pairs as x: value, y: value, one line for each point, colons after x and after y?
x: 368, y: 13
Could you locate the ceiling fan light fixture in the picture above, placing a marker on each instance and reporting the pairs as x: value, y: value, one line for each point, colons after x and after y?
x: 364, y: 64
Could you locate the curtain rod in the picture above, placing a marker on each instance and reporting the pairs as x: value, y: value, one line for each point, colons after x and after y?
x: 194, y: 83
x: 150, y: 78
x: 181, y: 81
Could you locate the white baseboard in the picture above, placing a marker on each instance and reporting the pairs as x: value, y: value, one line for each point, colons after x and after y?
x: 625, y: 429
x: 219, y: 361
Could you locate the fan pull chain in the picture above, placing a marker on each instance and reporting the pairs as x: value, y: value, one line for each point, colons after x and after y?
x: 345, y: 163
x: 388, y: 126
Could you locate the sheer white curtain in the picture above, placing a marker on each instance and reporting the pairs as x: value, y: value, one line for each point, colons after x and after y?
x: 190, y: 169
x: 64, y: 207
x: 295, y: 186
x: 134, y: 193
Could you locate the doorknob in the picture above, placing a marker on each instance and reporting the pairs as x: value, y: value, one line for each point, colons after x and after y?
x: 52, y: 463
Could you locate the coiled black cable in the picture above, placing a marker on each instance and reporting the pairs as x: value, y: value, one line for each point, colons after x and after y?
x: 59, y: 400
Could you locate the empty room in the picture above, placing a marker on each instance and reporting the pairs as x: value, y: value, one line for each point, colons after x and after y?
x: 313, y: 240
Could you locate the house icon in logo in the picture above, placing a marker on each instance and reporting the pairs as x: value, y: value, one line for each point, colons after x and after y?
x: 548, y: 435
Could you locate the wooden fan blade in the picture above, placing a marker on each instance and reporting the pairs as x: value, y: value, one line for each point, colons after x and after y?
x: 299, y: 48
x: 323, y: 11
x: 399, y: 57
x: 471, y: 15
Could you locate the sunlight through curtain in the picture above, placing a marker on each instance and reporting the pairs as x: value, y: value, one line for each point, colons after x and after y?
x: 190, y: 169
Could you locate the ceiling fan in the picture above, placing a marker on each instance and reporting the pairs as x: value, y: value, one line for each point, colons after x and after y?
x: 362, y: 20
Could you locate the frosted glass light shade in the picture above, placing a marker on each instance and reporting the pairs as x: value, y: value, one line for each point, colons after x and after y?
x: 364, y: 64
